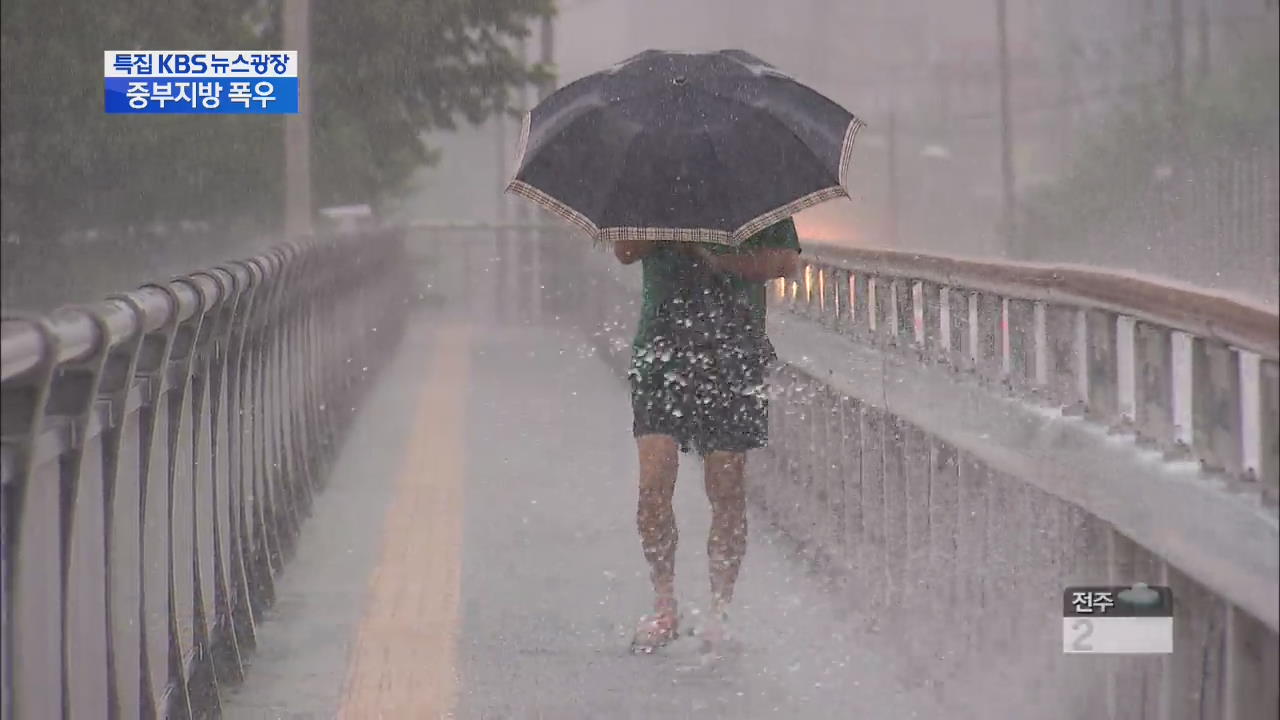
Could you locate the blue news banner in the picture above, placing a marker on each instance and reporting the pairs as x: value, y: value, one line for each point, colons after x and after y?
x: 200, y: 82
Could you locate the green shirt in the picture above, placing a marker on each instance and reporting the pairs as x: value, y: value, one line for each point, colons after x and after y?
x: 666, y: 271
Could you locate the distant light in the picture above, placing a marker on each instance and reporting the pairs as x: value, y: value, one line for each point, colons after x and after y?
x: 935, y: 151
x: 347, y: 211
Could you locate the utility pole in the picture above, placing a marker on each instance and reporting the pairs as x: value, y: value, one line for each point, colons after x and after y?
x: 1177, y: 113
x: 892, y: 147
x: 548, y: 275
x: 1202, y: 56
x: 548, y: 56
x: 526, y: 267
x: 525, y: 256
x: 500, y: 164
x: 522, y: 102
x: 1006, y: 131
x: 502, y: 251
x: 1177, y: 34
x: 297, y: 128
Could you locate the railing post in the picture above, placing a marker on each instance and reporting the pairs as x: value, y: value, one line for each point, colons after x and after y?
x: 1268, y: 431
x: 839, y: 298
x: 155, y: 644
x: 227, y: 658
x: 820, y: 302
x: 256, y: 546
x: 959, y: 338
x: 1215, y: 371
x: 190, y: 349
x: 239, y: 569
x: 1021, y: 334
x: 931, y: 299
x: 987, y: 353
x: 862, y: 311
x: 903, y: 312
x: 1153, y: 385
x: 32, y: 638
x: 72, y: 397
x: 1063, y: 357
x: 1103, y: 397
x: 882, y: 321
x: 189, y: 687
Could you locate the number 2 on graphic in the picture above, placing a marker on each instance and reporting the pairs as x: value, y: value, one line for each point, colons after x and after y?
x: 1085, y: 628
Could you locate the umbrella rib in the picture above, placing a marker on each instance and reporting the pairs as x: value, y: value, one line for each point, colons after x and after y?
x: 846, y: 148
x: 559, y: 207
x: 818, y: 196
x: 808, y: 200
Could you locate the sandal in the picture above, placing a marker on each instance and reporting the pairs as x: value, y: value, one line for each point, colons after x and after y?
x: 657, y: 630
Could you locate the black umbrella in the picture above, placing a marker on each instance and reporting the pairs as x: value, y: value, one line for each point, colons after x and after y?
x: 703, y: 147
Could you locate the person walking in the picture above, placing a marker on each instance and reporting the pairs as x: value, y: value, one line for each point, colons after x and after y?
x: 699, y: 383
x: 692, y: 163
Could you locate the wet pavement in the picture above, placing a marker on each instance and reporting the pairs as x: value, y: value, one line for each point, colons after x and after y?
x: 475, y: 556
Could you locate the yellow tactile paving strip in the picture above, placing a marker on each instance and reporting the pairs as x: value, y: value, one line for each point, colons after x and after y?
x: 403, y: 663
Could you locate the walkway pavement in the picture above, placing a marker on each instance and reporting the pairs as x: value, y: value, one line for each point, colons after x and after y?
x: 474, y: 556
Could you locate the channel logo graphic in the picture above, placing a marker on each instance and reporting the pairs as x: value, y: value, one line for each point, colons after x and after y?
x: 1120, y: 620
x: 200, y: 82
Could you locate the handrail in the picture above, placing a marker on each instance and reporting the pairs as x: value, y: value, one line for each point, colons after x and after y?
x: 1190, y: 372
x: 1194, y: 311
x: 159, y: 450
x: 79, y: 333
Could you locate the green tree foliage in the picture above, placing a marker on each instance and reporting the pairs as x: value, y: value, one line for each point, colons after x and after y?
x: 383, y: 72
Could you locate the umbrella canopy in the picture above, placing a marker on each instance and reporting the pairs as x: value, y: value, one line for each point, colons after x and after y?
x: 700, y: 147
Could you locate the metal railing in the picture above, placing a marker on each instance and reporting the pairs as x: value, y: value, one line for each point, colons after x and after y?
x: 160, y: 449
x: 957, y: 441
x: 945, y: 524
x: 1190, y: 373
x: 953, y: 440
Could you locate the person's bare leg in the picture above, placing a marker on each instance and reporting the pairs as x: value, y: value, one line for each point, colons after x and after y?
x: 727, y: 542
x: 655, y: 518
